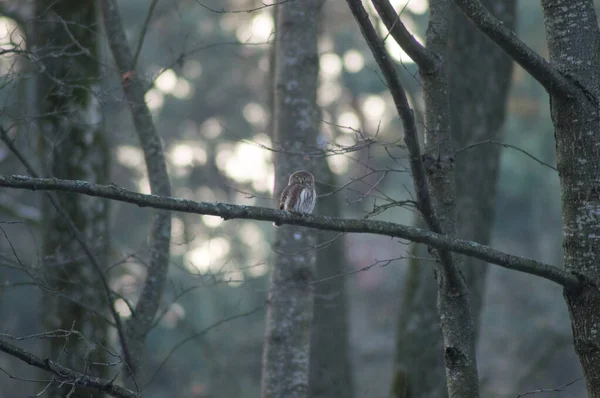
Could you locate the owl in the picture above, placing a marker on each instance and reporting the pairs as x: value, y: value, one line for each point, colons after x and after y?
x: 299, y: 195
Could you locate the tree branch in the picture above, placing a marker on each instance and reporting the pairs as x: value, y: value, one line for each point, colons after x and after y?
x: 404, y: 111
x: 80, y: 238
x: 66, y: 375
x: 140, y: 43
x: 427, y: 60
x: 548, y: 76
x: 231, y: 211
x: 160, y: 234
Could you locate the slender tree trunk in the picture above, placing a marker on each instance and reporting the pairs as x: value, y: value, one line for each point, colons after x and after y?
x: 290, y: 301
x: 573, y: 44
x: 330, y: 371
x: 73, y: 146
x: 478, y: 81
x: 453, y: 300
x: 142, y: 319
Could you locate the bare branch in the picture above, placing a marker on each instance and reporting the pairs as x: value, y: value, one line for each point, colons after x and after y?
x: 551, y: 78
x: 555, y: 389
x: 160, y: 234
x: 19, y: 209
x: 424, y: 58
x: 247, y: 11
x: 402, y: 107
x: 66, y: 375
x: 80, y: 238
x: 199, y: 334
x: 230, y: 211
x: 143, y: 32
x: 516, y: 148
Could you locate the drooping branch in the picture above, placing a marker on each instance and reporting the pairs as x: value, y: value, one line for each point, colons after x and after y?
x: 549, y: 77
x: 423, y: 57
x: 231, y: 211
x: 65, y: 375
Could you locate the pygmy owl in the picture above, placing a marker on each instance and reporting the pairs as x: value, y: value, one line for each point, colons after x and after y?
x: 299, y: 195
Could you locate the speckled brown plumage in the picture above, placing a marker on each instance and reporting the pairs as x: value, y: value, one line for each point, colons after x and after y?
x: 299, y: 195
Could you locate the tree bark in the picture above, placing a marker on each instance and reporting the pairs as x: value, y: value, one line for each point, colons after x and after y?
x: 478, y: 81
x: 433, y: 178
x: 573, y: 43
x: 572, y: 78
x: 453, y: 298
x: 142, y: 319
x: 290, y: 297
x: 73, y: 146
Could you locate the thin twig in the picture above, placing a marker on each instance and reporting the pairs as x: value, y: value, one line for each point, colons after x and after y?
x: 404, y: 111
x: 82, y: 242
x: 143, y: 33
x: 198, y: 334
x: 508, y: 146
x: 247, y: 11
x: 66, y: 375
x: 426, y: 60
x: 555, y: 389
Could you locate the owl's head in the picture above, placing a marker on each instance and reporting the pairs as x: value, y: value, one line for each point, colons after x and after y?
x: 302, y: 177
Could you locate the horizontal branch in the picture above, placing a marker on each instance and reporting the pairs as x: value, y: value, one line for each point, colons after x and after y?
x: 231, y: 211
x: 65, y: 375
x: 549, y: 77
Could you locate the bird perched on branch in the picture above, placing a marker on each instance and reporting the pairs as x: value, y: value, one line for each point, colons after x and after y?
x: 299, y: 195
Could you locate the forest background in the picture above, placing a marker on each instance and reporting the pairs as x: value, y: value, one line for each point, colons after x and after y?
x: 208, y: 75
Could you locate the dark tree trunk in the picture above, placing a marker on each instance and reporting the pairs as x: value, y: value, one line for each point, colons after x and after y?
x: 478, y: 81
x: 73, y: 146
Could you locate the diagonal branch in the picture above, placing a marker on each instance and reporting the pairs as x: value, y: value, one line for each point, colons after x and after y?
x: 80, y: 238
x: 231, y: 211
x: 404, y: 111
x: 140, y: 43
x: 66, y: 375
x: 427, y: 60
x: 551, y: 78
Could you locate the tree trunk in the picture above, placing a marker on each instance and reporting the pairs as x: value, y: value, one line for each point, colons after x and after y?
x: 296, y: 121
x: 573, y: 43
x: 478, y: 81
x: 453, y: 302
x: 74, y: 147
x: 142, y: 319
x: 330, y: 371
